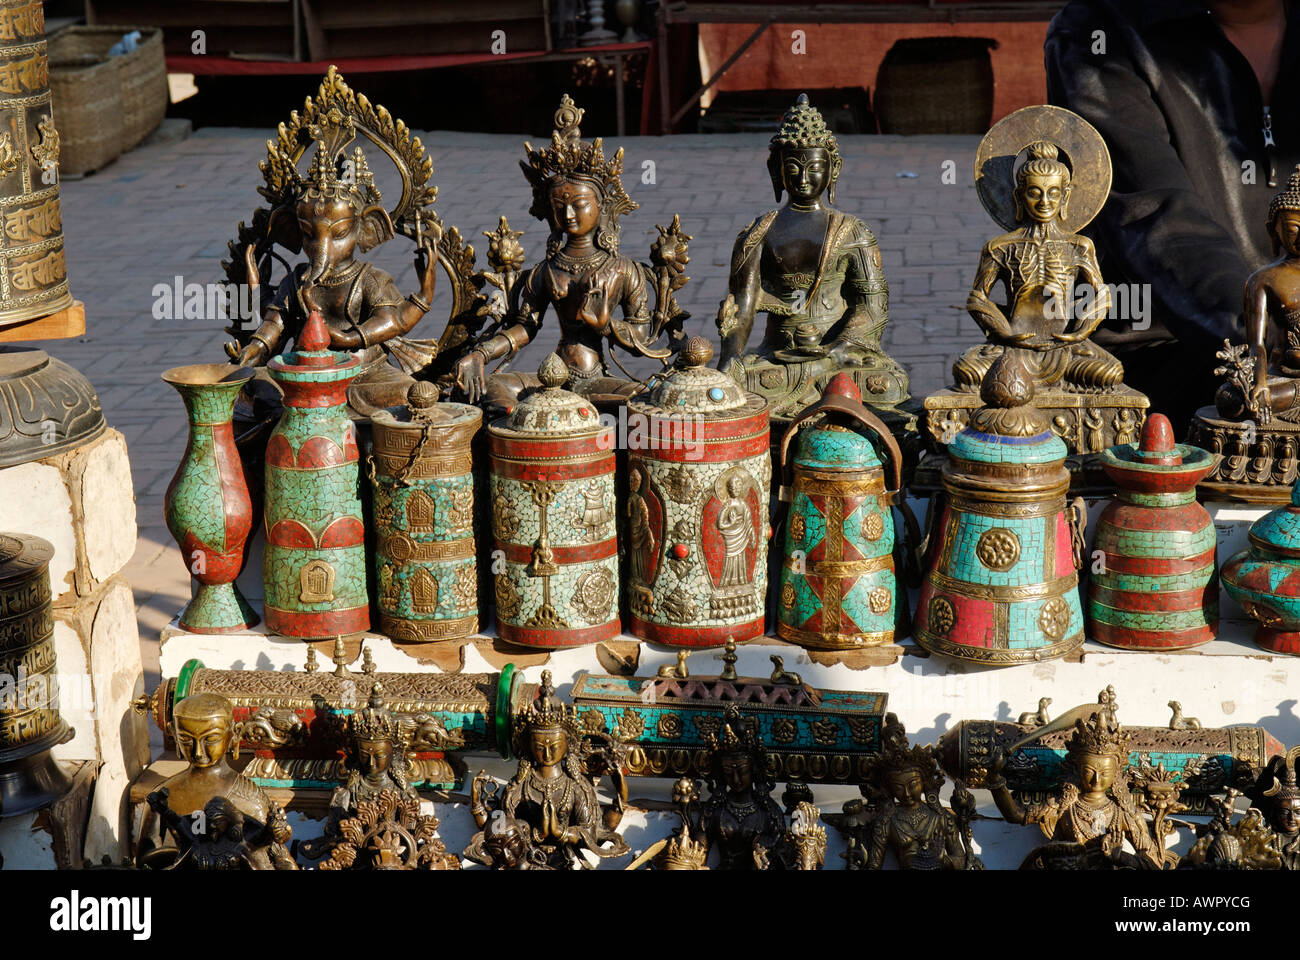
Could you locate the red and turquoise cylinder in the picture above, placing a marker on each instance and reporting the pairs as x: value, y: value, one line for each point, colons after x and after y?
x: 314, y: 566
x: 1153, y: 583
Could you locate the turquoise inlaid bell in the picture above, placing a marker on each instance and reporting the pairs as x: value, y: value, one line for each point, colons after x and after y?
x: 1001, y: 581
x: 838, y: 586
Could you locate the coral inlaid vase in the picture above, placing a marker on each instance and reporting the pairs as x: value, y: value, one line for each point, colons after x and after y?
x: 314, y: 567
x: 207, y: 506
x: 1153, y: 585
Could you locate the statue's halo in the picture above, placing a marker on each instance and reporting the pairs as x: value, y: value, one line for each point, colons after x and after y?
x: 1083, y: 150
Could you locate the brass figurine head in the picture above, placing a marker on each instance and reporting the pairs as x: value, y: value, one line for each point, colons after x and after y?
x: 547, y: 729
x: 1284, y: 217
x: 737, y: 759
x: 804, y: 159
x: 1285, y: 816
x: 1098, y: 749
x: 376, y: 745
x: 575, y: 188
x: 204, y: 729
x: 1042, y: 184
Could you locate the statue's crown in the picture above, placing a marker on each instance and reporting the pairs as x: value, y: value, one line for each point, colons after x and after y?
x: 1101, y: 735
x: 1286, y: 789
x: 374, y: 721
x: 803, y: 127
x: 333, y: 175
x: 568, y: 156
x: 547, y: 711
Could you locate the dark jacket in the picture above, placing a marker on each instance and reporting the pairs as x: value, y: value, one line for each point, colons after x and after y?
x: 1181, y: 112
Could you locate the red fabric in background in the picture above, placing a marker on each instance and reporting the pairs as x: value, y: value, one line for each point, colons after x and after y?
x: 849, y: 54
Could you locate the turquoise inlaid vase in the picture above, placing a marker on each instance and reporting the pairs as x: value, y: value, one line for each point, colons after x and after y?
x: 208, y: 507
x: 838, y: 587
x: 314, y: 567
x: 423, y: 486
x: 1265, y: 578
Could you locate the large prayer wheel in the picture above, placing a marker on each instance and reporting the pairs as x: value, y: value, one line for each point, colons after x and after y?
x: 33, y: 274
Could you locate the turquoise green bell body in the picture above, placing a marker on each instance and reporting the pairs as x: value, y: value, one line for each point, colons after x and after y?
x: 422, y: 483
x: 314, y: 567
x: 838, y: 585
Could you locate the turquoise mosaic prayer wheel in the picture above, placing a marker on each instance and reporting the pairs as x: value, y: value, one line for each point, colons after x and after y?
x: 422, y: 478
x: 838, y: 587
x: 314, y: 567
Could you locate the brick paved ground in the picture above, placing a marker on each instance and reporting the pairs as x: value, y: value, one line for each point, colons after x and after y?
x: 168, y: 210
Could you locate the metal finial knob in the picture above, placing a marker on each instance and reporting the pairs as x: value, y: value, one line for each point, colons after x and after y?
x: 697, y: 352
x: 422, y: 395
x: 553, y: 372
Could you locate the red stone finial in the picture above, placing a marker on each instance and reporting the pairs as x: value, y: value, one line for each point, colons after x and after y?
x: 1157, y: 444
x: 842, y: 385
x: 315, y: 336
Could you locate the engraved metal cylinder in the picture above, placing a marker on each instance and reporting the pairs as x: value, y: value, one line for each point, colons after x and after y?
x: 699, y: 475
x: 33, y: 273
x: 30, y: 723
x: 552, y: 508
x: 422, y: 482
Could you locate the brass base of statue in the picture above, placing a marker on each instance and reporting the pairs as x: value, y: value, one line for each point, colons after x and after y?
x: 1259, y: 463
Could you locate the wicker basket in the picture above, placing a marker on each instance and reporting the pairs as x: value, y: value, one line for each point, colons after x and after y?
x: 105, y: 105
x: 936, y: 85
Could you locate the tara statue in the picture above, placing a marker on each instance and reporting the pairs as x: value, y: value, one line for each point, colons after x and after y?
x: 815, y: 271
x: 600, y: 297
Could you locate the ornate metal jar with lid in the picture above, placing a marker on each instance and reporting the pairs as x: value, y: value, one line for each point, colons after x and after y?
x: 699, y: 472
x: 314, y: 567
x: 838, y: 587
x: 30, y: 724
x: 1265, y: 578
x: 552, y: 490
x: 1154, y: 587
x: 1001, y: 581
x: 423, y: 484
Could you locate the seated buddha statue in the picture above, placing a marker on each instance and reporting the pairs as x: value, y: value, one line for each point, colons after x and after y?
x: 1264, y: 376
x: 243, y: 827
x: 816, y: 273
x: 599, y: 296
x: 1040, y: 264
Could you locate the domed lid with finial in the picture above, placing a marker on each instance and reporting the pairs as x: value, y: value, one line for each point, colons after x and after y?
x: 1278, y: 531
x: 423, y: 409
x: 550, y: 410
x: 1156, y: 464
x: 695, y: 389
x: 311, y: 357
x: 1008, y: 428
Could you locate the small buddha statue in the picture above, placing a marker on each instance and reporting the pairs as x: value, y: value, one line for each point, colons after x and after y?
x: 1087, y: 822
x: 1040, y: 263
x: 903, y: 814
x: 331, y: 214
x: 816, y: 273
x: 1284, y: 817
x: 1264, y: 378
x: 599, y: 296
x: 740, y: 818
x: 243, y: 827
x: 552, y: 792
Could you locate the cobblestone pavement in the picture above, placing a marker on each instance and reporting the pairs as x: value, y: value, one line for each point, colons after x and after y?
x: 167, y: 210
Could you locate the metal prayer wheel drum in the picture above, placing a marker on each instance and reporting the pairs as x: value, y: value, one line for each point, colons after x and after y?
x: 699, y: 473
x: 314, y: 566
x: 838, y: 588
x: 1001, y: 581
x: 33, y: 273
x: 1153, y: 585
x: 30, y: 723
x: 553, y: 520
x: 422, y: 480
